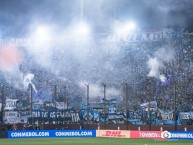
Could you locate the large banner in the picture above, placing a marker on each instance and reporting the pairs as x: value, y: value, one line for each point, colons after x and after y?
x: 51, y: 133
x: 67, y: 115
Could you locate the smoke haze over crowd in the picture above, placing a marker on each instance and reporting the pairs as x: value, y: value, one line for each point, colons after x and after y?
x: 61, y: 32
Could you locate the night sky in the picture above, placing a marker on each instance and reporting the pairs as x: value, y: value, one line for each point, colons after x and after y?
x: 18, y: 16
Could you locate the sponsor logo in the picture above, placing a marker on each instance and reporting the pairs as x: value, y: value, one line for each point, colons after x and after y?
x: 149, y: 135
x: 145, y: 134
x: 113, y: 134
x: 29, y: 134
x: 165, y: 134
x: 177, y: 135
x: 75, y: 133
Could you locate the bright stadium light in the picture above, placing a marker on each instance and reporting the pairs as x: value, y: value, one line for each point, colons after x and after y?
x: 125, y: 27
x: 42, y: 34
x: 81, y: 30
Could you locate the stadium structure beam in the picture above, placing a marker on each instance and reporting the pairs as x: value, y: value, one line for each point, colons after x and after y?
x: 175, y: 119
x: 31, y: 103
x: 150, y: 90
x: 88, y: 105
x: 55, y: 96
x: 104, y: 109
x: 126, y: 102
x: 65, y: 100
x: 65, y: 96
x: 3, y: 101
x: 81, y: 8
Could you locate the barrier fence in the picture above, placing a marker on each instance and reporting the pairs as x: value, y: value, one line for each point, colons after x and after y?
x: 164, y: 135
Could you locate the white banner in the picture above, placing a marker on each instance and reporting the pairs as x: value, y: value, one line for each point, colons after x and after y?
x: 10, y: 104
x: 153, y: 106
x: 166, y: 115
x: 11, y: 117
x: 61, y: 105
x: 184, y: 115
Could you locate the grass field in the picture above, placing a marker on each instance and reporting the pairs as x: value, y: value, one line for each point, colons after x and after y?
x: 90, y: 141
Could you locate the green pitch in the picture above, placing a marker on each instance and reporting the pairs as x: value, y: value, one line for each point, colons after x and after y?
x: 90, y: 141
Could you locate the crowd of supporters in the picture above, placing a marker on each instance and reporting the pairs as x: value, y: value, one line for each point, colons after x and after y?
x: 130, y: 66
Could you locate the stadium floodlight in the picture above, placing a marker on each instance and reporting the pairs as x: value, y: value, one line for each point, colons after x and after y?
x: 81, y: 29
x: 125, y: 27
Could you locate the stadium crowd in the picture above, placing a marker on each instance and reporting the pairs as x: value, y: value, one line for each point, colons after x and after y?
x: 131, y: 66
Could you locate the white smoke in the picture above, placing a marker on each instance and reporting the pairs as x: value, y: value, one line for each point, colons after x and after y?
x: 17, y: 79
x: 162, y: 78
x: 13, y: 77
x: 156, y: 64
x: 165, y: 54
x: 27, y: 80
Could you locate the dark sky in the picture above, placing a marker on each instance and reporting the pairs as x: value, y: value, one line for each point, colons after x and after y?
x: 16, y: 16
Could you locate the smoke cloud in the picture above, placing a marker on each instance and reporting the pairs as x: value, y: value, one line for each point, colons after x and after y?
x: 156, y: 64
x: 27, y: 80
x: 59, y: 46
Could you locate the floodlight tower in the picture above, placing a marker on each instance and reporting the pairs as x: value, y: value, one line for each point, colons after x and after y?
x: 81, y: 8
x: 125, y: 27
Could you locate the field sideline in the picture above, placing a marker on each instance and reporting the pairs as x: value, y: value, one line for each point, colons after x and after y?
x: 89, y: 141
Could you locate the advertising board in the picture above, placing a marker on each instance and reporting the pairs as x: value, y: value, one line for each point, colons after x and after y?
x: 113, y: 133
x: 51, y: 133
x: 146, y: 134
x: 177, y: 135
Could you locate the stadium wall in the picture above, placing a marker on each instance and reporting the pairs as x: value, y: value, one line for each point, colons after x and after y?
x: 161, y: 135
x: 100, y: 126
